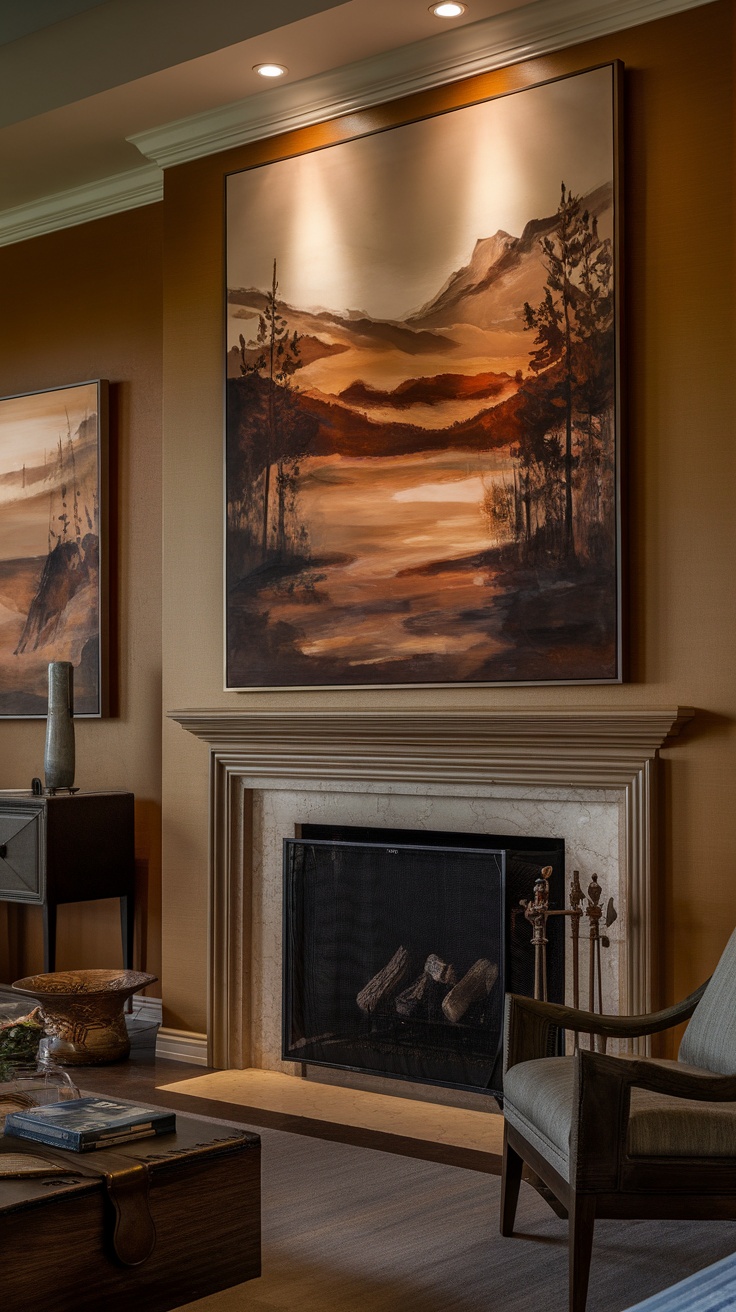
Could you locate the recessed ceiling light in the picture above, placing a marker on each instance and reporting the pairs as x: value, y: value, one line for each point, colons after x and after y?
x: 448, y: 9
x: 270, y: 70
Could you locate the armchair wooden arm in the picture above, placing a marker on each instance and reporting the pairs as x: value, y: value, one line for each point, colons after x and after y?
x: 532, y: 1027
x: 602, y: 1096
x: 704, y: 1086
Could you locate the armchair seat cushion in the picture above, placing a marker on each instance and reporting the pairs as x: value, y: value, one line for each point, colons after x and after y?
x: 538, y: 1102
x: 661, y: 1126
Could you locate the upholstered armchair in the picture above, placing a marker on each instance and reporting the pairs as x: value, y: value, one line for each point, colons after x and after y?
x: 615, y: 1136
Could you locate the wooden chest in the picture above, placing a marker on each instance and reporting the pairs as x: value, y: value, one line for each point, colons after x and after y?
x: 57, y: 1233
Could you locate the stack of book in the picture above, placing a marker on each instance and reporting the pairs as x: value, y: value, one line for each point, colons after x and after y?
x: 84, y: 1124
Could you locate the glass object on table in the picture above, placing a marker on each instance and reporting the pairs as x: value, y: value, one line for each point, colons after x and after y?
x: 28, y: 1084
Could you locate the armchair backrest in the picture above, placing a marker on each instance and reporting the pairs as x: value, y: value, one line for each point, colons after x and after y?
x: 710, y: 1038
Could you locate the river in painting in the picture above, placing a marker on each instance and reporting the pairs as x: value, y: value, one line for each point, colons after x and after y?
x: 388, y: 522
x: 409, y: 575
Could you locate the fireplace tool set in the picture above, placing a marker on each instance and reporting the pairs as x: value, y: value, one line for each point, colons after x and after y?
x: 538, y: 911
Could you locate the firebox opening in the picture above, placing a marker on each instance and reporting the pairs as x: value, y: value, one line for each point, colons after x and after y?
x: 399, y: 946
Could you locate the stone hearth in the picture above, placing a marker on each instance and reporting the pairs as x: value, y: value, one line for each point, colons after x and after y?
x: 586, y: 776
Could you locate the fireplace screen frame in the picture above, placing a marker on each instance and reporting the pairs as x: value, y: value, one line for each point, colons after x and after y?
x: 454, y: 846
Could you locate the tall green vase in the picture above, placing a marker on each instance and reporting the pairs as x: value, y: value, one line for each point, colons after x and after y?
x: 58, y: 761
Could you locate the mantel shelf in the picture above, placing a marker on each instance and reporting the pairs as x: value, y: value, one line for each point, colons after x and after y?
x: 583, y: 747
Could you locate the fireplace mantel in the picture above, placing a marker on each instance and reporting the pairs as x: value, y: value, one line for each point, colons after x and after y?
x: 576, y: 747
x: 608, y: 748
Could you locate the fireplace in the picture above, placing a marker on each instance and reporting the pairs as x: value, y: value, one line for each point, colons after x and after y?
x: 400, y: 945
x: 588, y: 774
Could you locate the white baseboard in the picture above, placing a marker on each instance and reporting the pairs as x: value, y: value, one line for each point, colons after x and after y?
x: 171, y: 1045
x: 147, y: 1009
x: 182, y: 1045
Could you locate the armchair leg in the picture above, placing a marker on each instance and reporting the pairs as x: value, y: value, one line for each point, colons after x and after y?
x: 510, y: 1182
x: 582, y: 1221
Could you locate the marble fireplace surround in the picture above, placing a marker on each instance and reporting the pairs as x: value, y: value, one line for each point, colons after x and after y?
x: 474, y: 770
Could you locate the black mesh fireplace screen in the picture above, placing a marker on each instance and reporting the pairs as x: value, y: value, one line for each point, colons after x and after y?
x: 397, y: 954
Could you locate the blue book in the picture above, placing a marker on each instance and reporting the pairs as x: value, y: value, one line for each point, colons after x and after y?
x: 84, y: 1124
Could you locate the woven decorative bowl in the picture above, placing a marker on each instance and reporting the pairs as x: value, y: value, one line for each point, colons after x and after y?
x: 82, y: 1011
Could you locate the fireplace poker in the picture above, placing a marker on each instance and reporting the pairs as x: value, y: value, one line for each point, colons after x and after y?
x: 594, y: 912
x: 576, y: 912
x: 537, y: 912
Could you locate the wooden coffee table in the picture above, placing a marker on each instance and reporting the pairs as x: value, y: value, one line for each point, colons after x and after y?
x: 56, y: 1232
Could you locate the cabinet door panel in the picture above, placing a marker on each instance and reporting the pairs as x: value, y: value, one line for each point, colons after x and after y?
x: 21, y: 855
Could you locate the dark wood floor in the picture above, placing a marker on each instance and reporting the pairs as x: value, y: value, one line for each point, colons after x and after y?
x: 142, y: 1075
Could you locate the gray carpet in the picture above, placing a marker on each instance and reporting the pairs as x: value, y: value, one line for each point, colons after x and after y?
x: 350, y: 1230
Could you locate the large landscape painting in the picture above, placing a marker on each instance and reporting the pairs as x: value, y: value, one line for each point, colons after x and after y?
x: 422, y: 420
x: 50, y: 494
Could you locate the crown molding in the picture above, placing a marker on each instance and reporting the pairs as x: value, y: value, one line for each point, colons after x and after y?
x: 533, y: 30
x: 66, y: 209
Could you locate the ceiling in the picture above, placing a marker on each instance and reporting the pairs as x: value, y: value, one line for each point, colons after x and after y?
x: 80, y: 78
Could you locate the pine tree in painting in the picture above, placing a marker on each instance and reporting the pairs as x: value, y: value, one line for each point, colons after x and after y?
x: 278, y: 431
x: 567, y: 444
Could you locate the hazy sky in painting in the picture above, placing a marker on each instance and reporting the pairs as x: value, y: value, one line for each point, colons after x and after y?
x: 378, y: 224
x: 32, y: 425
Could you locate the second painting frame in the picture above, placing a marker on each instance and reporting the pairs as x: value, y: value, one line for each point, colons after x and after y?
x: 54, y: 587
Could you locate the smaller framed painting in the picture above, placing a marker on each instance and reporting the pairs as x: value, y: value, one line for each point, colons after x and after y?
x: 53, y: 557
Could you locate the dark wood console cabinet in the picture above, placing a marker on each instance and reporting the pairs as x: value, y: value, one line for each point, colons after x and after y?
x: 68, y: 849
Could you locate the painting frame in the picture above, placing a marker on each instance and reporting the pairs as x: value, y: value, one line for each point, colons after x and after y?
x: 69, y: 475
x: 616, y: 669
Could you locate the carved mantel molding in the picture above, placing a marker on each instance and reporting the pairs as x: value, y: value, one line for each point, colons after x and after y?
x: 609, y: 748
x: 579, y: 748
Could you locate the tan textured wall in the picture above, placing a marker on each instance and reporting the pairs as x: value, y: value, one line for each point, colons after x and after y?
x: 680, y: 440
x: 86, y: 303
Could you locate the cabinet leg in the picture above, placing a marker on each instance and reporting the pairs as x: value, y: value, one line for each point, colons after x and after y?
x: 13, y: 917
x: 127, y: 928
x: 49, y: 936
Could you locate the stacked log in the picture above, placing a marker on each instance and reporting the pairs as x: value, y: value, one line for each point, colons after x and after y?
x: 475, y: 986
x: 439, y: 970
x: 435, y: 971
x: 409, y: 1002
x: 383, y: 985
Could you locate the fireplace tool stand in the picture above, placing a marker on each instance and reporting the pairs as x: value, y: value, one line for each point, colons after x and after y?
x: 537, y: 911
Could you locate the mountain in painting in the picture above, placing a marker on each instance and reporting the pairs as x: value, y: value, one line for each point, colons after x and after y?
x: 502, y: 274
x: 476, y: 317
x: 338, y: 429
x: 426, y: 391
x: 324, y: 333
